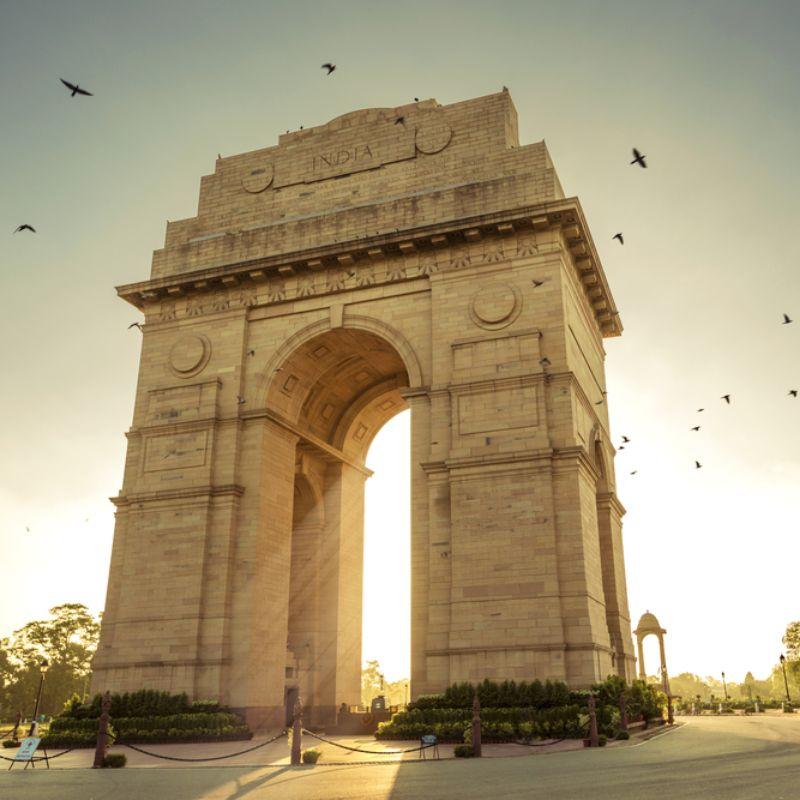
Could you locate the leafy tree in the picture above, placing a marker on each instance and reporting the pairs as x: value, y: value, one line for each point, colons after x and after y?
x: 791, y: 640
x: 372, y: 682
x: 67, y: 641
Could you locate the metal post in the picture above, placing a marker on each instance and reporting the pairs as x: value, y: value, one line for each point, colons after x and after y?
x: 102, y: 733
x: 297, y: 732
x: 42, y: 669
x: 623, y: 712
x: 785, y: 681
x: 724, y: 687
x: 670, y: 712
x: 476, y: 726
x: 15, y: 732
x: 594, y: 738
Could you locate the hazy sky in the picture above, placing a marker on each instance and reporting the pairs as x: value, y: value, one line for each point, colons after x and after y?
x: 710, y: 91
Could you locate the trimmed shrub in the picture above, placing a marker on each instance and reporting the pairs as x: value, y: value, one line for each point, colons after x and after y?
x: 115, y: 760
x: 311, y: 756
x: 602, y: 740
x: 463, y: 751
x: 623, y: 735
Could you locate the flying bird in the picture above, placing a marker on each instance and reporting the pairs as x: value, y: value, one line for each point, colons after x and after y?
x: 599, y: 402
x: 251, y: 352
x: 625, y: 440
x: 639, y: 159
x: 620, y: 237
x: 697, y: 465
x: 786, y: 319
x: 135, y: 325
x: 329, y: 67
x: 700, y: 409
x: 240, y: 400
x: 537, y: 284
x: 634, y: 472
x: 545, y: 362
x: 416, y: 99
x: 25, y: 227
x: 696, y: 428
x: 793, y: 392
x: 27, y: 529
x: 75, y: 89
x: 621, y: 447
x: 726, y: 398
x: 400, y: 121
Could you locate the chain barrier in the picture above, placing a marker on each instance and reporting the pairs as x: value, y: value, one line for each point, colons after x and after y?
x: 419, y: 748
x: 6, y: 734
x: 40, y: 758
x: 539, y: 744
x: 209, y: 758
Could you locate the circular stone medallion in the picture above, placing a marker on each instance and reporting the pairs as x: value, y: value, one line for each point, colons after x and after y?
x: 433, y: 136
x: 495, y: 305
x: 258, y: 178
x: 189, y: 355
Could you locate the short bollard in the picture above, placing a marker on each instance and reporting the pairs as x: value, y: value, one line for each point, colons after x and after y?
x: 623, y: 712
x: 594, y: 738
x: 102, y: 733
x: 476, y: 726
x: 297, y: 733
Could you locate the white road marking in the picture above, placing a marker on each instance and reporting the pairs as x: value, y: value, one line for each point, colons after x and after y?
x: 659, y: 735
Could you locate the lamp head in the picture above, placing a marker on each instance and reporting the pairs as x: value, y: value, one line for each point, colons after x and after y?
x: 44, y: 666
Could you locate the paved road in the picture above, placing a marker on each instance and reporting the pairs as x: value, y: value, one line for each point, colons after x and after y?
x: 710, y: 758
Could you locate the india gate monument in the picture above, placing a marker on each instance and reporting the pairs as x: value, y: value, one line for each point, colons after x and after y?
x: 410, y: 257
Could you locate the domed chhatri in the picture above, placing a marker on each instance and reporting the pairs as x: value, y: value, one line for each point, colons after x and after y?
x: 650, y: 626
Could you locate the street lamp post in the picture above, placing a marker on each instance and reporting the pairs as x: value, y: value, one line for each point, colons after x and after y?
x: 785, y: 681
x: 724, y: 687
x: 42, y: 669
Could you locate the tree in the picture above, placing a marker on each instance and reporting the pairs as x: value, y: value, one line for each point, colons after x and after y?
x: 791, y: 640
x: 67, y: 640
x: 372, y: 682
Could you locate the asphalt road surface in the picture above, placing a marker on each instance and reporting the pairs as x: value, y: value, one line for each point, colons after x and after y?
x: 734, y: 758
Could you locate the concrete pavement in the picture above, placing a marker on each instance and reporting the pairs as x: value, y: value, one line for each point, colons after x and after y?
x: 709, y: 758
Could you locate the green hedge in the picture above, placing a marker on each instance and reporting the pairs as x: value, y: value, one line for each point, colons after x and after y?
x: 497, y: 724
x: 144, y: 703
x: 124, y: 725
x: 508, y: 694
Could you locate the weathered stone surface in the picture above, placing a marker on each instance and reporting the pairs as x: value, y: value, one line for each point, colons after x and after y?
x: 351, y: 271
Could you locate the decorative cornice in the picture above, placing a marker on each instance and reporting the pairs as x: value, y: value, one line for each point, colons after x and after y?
x: 230, y: 490
x: 349, y: 265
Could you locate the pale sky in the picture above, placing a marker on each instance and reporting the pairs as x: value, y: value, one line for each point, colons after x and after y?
x: 710, y: 91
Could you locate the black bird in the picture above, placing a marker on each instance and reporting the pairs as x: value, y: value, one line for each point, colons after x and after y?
x: 625, y: 440
x: 599, y: 402
x: 251, y: 352
x: 537, y: 284
x: 25, y: 227
x: 700, y: 409
x: 545, y: 362
x: 621, y: 447
x: 75, y: 89
x: 27, y: 529
x: 620, y: 237
x: 634, y: 472
x: 329, y: 67
x: 135, y: 325
x: 786, y: 319
x: 639, y: 159
x: 240, y: 400
x: 697, y: 465
x: 416, y: 99
x: 726, y: 398
x: 400, y: 121
x: 793, y: 392
x: 696, y: 428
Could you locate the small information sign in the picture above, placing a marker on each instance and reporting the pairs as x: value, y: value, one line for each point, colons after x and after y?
x: 27, y: 748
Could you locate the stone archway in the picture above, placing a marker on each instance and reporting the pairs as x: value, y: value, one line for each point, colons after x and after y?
x: 438, y: 267
x: 650, y: 626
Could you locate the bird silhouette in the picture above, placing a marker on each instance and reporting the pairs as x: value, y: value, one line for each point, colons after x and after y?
x: 400, y: 121
x: 240, y: 400
x: 700, y: 409
x: 545, y: 362
x: 696, y: 428
x: 537, y: 284
x: 599, y: 402
x: 620, y: 237
x: 786, y: 319
x: 27, y: 529
x: 697, y: 465
x: 639, y: 159
x: 793, y: 392
x: 625, y: 439
x: 135, y: 325
x: 329, y: 67
x: 251, y: 352
x: 75, y: 89
x: 416, y: 99
x: 726, y: 398
x: 634, y: 472
x: 25, y: 227
x: 621, y: 447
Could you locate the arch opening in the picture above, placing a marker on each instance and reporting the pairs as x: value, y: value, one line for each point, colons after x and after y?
x: 336, y: 390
